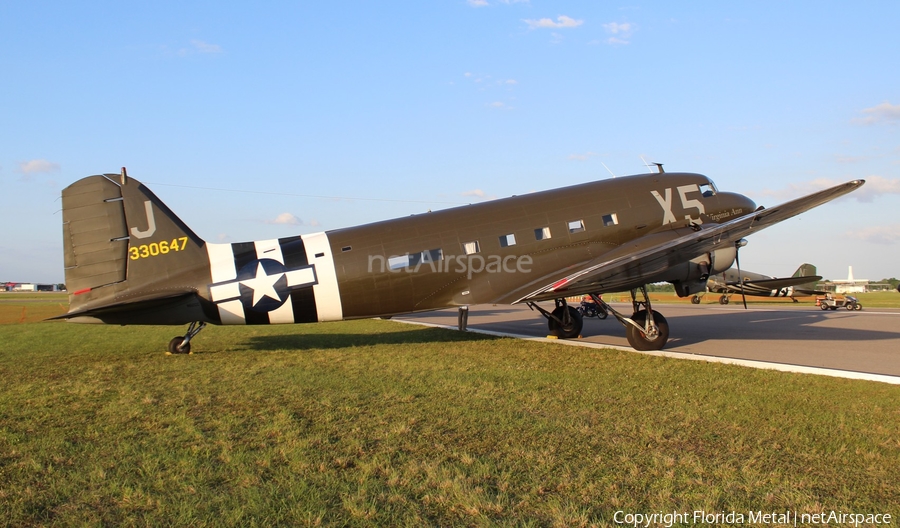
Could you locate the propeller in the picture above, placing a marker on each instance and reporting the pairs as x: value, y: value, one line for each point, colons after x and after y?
x: 737, y: 260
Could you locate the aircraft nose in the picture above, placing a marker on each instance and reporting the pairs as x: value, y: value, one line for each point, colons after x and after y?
x: 733, y: 205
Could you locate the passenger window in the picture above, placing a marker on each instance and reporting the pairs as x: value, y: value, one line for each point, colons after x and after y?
x: 508, y: 240
x: 610, y: 220
x: 576, y: 226
x: 542, y: 233
x: 470, y: 248
x: 400, y: 262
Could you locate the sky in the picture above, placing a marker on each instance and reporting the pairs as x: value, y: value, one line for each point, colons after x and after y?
x: 280, y: 118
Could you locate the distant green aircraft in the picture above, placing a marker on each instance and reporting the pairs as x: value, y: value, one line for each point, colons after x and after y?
x: 733, y: 281
x: 131, y: 260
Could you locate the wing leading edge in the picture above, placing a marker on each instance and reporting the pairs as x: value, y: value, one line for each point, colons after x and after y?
x: 638, y: 262
x: 776, y: 283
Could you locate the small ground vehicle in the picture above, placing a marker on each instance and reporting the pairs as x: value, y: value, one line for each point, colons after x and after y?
x: 589, y: 308
x: 849, y: 302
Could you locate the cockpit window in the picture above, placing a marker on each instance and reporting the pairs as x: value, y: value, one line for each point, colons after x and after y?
x: 708, y: 189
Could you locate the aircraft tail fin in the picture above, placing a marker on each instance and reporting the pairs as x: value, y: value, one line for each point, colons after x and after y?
x: 123, y: 246
x: 806, y: 270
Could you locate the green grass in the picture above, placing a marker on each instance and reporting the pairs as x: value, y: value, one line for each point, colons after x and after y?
x: 21, y: 307
x: 886, y: 299
x: 378, y: 423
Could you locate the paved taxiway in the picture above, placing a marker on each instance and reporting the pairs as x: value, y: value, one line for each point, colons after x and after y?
x: 866, y: 341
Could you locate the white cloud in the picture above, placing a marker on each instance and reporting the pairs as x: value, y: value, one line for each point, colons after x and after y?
x: 582, y: 157
x: 38, y: 166
x: 205, y: 47
x: 615, y: 28
x: 889, y: 234
x: 196, y: 47
x: 849, y: 159
x: 484, y: 3
x: 621, y: 32
x: 478, y: 193
x: 286, y: 219
x: 885, y: 112
x: 874, y: 186
x: 562, y: 21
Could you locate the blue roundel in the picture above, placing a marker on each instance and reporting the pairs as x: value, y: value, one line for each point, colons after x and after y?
x: 263, y: 285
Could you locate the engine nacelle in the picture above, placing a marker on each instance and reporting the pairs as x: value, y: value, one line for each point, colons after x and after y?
x: 690, y: 277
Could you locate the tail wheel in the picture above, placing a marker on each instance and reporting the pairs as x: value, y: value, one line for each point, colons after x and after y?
x: 695, y: 300
x: 652, y: 339
x: 723, y: 300
x: 175, y: 346
x: 573, y: 325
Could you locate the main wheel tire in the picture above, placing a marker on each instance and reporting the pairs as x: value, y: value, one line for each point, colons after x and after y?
x: 723, y: 300
x: 573, y: 329
x: 695, y: 300
x: 175, y: 343
x: 640, y: 340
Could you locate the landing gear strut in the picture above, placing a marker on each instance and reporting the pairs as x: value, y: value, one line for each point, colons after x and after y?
x: 646, y: 329
x: 565, y: 322
x: 182, y: 344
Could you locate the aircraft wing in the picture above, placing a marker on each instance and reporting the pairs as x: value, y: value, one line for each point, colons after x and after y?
x: 646, y: 258
x: 775, y: 283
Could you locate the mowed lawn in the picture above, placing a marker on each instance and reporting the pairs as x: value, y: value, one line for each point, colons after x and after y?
x: 378, y: 423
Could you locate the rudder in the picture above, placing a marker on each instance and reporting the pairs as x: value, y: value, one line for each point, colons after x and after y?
x: 807, y: 270
x: 123, y: 245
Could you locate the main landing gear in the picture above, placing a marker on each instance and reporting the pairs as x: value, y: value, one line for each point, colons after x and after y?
x: 565, y: 321
x: 645, y: 330
x: 182, y: 344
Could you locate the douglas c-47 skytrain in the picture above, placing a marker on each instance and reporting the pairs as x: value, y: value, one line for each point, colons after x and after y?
x: 130, y: 260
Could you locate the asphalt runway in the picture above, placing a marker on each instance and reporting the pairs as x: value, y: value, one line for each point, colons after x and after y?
x: 866, y: 341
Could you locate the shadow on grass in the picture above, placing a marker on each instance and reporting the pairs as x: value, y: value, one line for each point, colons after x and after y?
x: 344, y: 340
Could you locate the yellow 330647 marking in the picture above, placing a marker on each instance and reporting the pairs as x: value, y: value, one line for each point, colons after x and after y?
x: 154, y: 249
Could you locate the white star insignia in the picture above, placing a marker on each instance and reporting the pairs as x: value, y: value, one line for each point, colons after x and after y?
x: 263, y: 285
